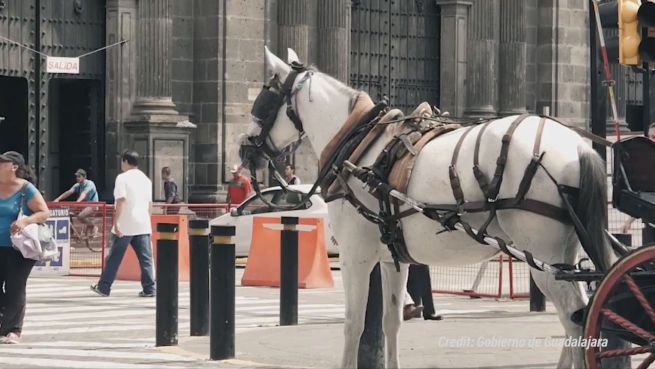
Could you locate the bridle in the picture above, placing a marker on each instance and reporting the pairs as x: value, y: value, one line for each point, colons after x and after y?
x: 264, y: 112
x: 268, y: 103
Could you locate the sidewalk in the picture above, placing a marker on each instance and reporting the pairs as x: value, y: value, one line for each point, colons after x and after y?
x: 479, y: 333
x: 451, y: 343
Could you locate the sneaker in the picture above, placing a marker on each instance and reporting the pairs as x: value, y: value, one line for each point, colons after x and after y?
x: 146, y: 294
x: 11, y: 339
x: 96, y: 289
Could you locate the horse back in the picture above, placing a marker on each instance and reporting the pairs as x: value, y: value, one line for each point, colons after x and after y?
x: 430, y: 181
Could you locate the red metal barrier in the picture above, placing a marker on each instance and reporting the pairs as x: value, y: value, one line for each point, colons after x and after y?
x: 88, y: 253
x: 496, y: 278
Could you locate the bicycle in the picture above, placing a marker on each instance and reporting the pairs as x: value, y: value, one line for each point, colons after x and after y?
x: 78, y: 236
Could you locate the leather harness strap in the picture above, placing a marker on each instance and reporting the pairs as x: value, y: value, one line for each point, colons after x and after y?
x: 479, y: 176
x: 455, y: 184
x: 537, y: 141
x: 494, y: 186
x: 517, y: 202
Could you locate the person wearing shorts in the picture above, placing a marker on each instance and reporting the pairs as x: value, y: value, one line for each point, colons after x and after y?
x: 85, y: 190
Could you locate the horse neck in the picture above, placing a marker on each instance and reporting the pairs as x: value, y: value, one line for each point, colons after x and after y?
x: 325, y: 111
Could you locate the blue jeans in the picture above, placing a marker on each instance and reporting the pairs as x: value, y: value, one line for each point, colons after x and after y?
x: 143, y: 251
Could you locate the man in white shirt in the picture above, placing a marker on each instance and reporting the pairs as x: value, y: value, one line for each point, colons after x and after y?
x: 133, y: 197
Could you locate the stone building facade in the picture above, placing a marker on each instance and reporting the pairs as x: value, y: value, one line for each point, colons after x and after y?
x: 179, y: 88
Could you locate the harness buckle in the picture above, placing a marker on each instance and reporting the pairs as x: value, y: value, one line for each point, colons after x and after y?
x: 490, y: 200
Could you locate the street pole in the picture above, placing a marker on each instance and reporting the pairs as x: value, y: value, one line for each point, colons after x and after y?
x: 199, y: 277
x: 222, y: 331
x: 598, y: 127
x: 598, y: 112
x: 167, y: 285
x: 289, y: 272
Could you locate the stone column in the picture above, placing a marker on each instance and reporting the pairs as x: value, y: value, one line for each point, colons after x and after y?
x: 513, y: 56
x: 334, y: 38
x: 155, y: 129
x: 293, y: 32
x: 454, y: 20
x: 482, y: 67
x: 155, y: 32
x: 120, y: 87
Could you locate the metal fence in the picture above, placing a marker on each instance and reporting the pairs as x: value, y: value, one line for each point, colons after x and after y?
x: 499, y: 277
x: 88, y: 249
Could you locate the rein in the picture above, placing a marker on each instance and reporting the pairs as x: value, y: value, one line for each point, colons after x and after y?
x: 364, y: 123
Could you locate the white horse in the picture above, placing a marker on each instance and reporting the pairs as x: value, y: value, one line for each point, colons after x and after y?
x: 323, y: 104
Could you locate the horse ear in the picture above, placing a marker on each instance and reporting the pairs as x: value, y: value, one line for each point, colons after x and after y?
x: 292, y: 57
x: 275, y: 65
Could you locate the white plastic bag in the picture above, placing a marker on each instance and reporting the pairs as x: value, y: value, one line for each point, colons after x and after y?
x: 35, y: 242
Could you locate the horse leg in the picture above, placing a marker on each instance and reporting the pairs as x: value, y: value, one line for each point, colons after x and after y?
x: 567, y: 297
x: 393, y: 287
x: 552, y: 242
x: 355, y: 284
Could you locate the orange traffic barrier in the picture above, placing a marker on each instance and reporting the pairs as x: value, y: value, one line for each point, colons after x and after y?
x: 263, y: 267
x: 130, y: 270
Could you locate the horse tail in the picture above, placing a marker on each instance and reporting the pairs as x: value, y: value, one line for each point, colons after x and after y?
x: 591, y: 207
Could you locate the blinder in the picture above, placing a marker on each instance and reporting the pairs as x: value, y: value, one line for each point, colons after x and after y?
x: 266, y: 106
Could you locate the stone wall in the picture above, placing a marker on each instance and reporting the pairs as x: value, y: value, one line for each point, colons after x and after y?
x: 562, y: 56
x: 217, y: 70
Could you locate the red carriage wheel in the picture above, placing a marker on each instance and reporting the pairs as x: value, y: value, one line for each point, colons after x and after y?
x: 624, y: 303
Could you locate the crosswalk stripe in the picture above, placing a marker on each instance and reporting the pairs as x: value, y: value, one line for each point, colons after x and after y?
x: 78, y: 316
x: 87, y: 329
x: 123, y: 325
x: 126, y: 345
x: 32, y: 351
x: 20, y: 362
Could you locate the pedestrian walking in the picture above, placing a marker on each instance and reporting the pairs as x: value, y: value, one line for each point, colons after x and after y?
x: 419, y: 288
x: 239, y: 187
x: 133, y: 197
x: 85, y: 190
x: 170, y: 190
x: 16, y: 192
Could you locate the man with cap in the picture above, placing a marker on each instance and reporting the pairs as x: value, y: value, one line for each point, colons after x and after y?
x: 239, y: 187
x: 85, y: 190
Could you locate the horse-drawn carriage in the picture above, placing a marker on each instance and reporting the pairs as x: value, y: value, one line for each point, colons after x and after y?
x: 537, y: 191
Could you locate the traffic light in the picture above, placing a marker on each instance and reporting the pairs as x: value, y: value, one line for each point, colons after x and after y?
x: 635, y: 20
x: 629, y: 32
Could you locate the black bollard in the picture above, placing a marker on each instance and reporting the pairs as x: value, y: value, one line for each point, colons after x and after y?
x: 199, y: 276
x: 537, y: 299
x: 167, y: 289
x: 222, y: 330
x: 289, y: 272
x: 371, y: 344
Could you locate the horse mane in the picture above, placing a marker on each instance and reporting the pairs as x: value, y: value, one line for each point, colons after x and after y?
x: 339, y: 85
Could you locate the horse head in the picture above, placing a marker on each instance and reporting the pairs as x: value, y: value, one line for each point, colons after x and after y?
x: 295, y: 102
x: 274, y: 124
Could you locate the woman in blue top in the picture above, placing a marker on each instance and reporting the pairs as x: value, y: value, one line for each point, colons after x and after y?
x: 15, y: 178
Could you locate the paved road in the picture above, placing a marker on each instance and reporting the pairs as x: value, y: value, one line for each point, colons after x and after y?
x: 68, y: 326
